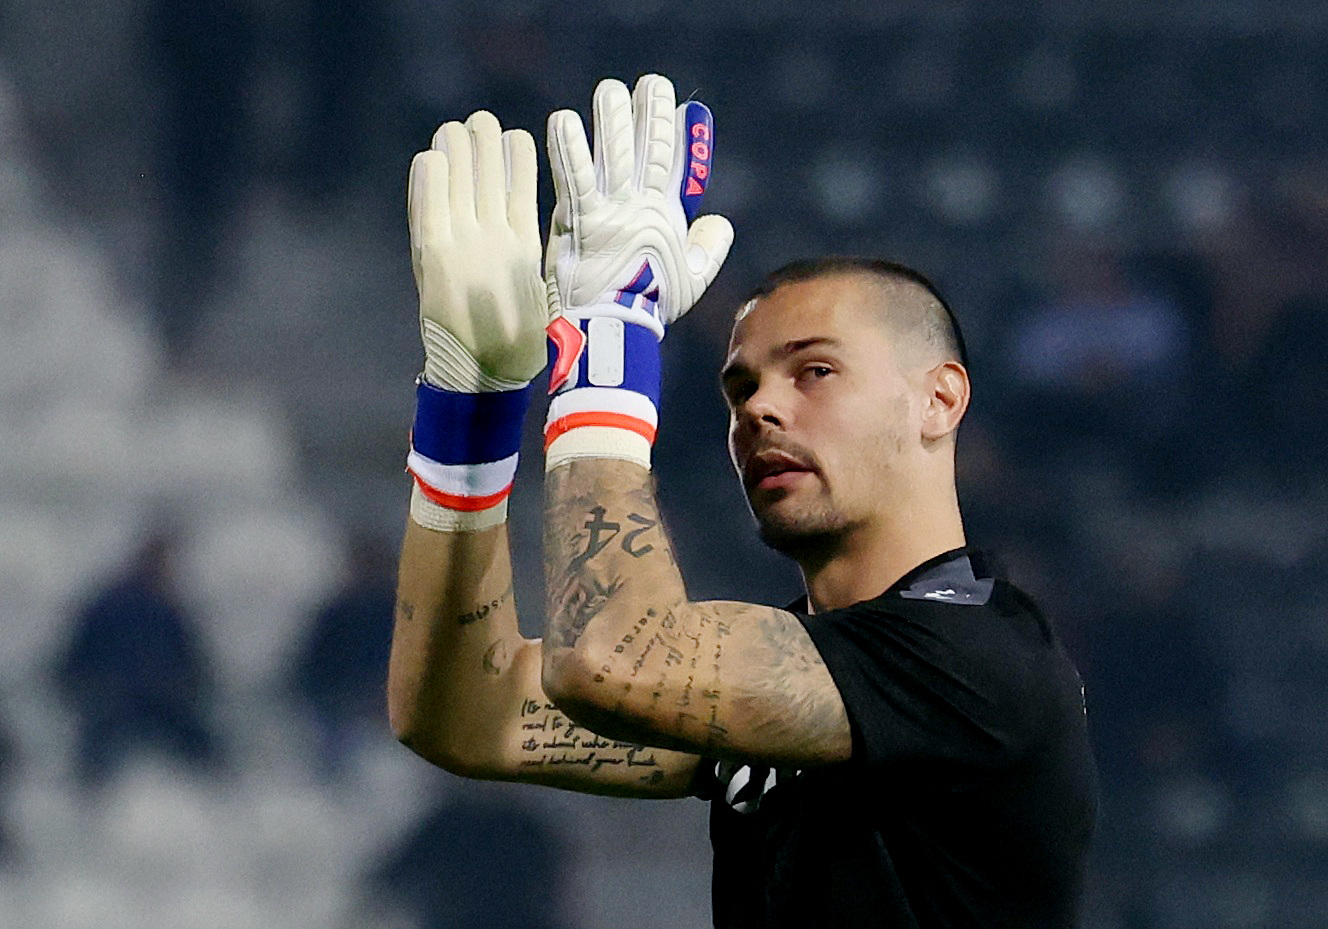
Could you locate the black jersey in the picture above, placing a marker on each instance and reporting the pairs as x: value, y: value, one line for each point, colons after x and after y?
x: 971, y: 793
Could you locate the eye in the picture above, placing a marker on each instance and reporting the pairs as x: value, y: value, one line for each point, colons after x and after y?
x: 738, y: 390
x: 815, y: 372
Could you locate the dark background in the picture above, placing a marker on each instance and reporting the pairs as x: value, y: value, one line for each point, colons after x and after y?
x: 208, y: 337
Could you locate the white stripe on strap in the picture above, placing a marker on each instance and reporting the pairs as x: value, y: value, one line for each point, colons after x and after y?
x: 603, y: 400
x: 473, y: 480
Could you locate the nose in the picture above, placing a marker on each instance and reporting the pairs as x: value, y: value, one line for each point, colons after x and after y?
x: 764, y: 405
x: 760, y: 411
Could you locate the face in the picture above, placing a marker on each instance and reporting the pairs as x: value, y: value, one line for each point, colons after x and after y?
x: 822, y: 418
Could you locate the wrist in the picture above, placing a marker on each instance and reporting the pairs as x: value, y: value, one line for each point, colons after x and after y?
x: 605, y: 383
x: 463, y: 456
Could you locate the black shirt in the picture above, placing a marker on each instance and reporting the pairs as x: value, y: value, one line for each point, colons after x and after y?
x: 971, y: 793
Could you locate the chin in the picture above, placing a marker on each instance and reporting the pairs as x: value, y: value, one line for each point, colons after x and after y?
x: 804, y: 537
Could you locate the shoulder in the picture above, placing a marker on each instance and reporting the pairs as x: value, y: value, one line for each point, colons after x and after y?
x: 952, y: 655
x: 954, y: 601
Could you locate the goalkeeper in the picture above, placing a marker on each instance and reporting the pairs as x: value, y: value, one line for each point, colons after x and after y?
x: 904, y: 746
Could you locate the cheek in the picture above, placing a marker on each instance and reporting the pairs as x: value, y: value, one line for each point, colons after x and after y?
x: 870, y: 442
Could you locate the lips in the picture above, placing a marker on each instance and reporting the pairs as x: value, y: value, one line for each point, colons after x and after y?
x: 770, y: 464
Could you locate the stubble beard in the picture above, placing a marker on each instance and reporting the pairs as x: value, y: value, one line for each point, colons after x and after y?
x: 810, y: 532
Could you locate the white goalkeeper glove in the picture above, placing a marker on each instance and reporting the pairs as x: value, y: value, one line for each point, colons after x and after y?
x: 475, y: 251
x: 622, y: 262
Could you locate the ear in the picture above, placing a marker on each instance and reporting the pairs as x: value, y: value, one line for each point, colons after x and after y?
x: 948, y: 391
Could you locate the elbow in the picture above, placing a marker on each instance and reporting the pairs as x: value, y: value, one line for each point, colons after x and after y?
x: 405, y: 725
x: 572, y: 682
x: 417, y: 730
x: 439, y: 751
x: 409, y: 728
x: 404, y: 713
x: 563, y: 675
x: 577, y: 683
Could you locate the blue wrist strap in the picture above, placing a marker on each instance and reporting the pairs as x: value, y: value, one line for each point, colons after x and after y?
x: 459, y: 428
x: 634, y: 365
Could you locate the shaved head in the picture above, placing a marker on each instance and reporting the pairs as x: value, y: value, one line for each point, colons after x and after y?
x: 909, y: 304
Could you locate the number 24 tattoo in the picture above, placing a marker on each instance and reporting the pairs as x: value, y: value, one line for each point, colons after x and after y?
x: 603, y: 531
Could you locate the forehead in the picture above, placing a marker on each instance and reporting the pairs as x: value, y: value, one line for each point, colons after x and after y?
x: 838, y: 307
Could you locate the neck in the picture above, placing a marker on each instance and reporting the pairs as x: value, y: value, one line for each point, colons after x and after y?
x: 866, y: 560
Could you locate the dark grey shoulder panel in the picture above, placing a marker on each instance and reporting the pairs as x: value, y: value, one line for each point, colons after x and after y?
x: 951, y: 582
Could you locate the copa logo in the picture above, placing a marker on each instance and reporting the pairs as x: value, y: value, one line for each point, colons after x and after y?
x: 700, y: 152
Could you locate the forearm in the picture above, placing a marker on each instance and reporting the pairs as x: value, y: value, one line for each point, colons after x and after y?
x: 625, y: 652
x: 454, y: 640
x: 629, y: 655
x: 464, y: 686
x: 603, y: 546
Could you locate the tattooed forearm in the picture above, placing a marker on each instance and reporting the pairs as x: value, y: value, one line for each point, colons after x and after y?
x: 581, y: 602
x: 485, y: 609
x: 608, y: 561
x: 720, y: 679
x: 497, y: 657
x: 590, y: 523
x: 600, y: 533
x: 555, y: 741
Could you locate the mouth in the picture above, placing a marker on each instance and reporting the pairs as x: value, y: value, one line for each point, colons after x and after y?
x: 774, y: 469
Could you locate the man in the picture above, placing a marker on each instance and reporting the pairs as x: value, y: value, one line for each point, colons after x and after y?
x: 137, y: 673
x: 904, y: 748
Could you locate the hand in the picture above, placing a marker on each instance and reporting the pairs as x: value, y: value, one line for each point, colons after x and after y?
x: 475, y: 250
x: 622, y: 263
x: 620, y: 244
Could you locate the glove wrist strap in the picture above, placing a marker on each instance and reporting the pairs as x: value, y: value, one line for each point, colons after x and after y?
x: 463, y: 456
x: 605, y: 383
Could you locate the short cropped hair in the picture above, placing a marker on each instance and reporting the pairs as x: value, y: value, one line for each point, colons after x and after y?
x: 942, y: 327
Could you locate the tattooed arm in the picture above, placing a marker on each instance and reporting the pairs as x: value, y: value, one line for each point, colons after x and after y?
x: 627, y: 654
x: 464, y: 686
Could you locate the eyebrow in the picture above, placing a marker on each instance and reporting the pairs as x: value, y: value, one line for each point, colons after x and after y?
x: 794, y: 346
x: 735, y: 369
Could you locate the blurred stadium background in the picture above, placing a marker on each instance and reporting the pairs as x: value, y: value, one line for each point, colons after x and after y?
x: 207, y: 330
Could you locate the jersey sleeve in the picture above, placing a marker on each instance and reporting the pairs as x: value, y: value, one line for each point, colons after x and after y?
x: 929, y: 683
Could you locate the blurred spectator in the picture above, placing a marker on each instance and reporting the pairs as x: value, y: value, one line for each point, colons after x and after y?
x: 136, y: 674
x: 1103, y: 360
x: 486, y: 864
x: 339, y: 667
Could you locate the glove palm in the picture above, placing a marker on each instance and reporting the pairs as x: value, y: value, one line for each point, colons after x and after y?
x: 475, y: 251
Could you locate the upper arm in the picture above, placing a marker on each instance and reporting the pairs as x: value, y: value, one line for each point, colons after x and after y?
x: 720, y: 678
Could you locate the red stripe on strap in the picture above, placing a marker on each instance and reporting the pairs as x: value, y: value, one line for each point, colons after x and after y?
x: 565, y: 424
x: 458, y: 502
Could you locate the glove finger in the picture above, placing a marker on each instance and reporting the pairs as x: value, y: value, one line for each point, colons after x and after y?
x: 429, y: 210
x: 572, y: 167
x: 653, y: 102
x: 522, y: 187
x: 708, y: 243
x: 693, y: 153
x: 615, y: 160
x: 454, y: 139
x: 490, y: 166
x: 414, y: 191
